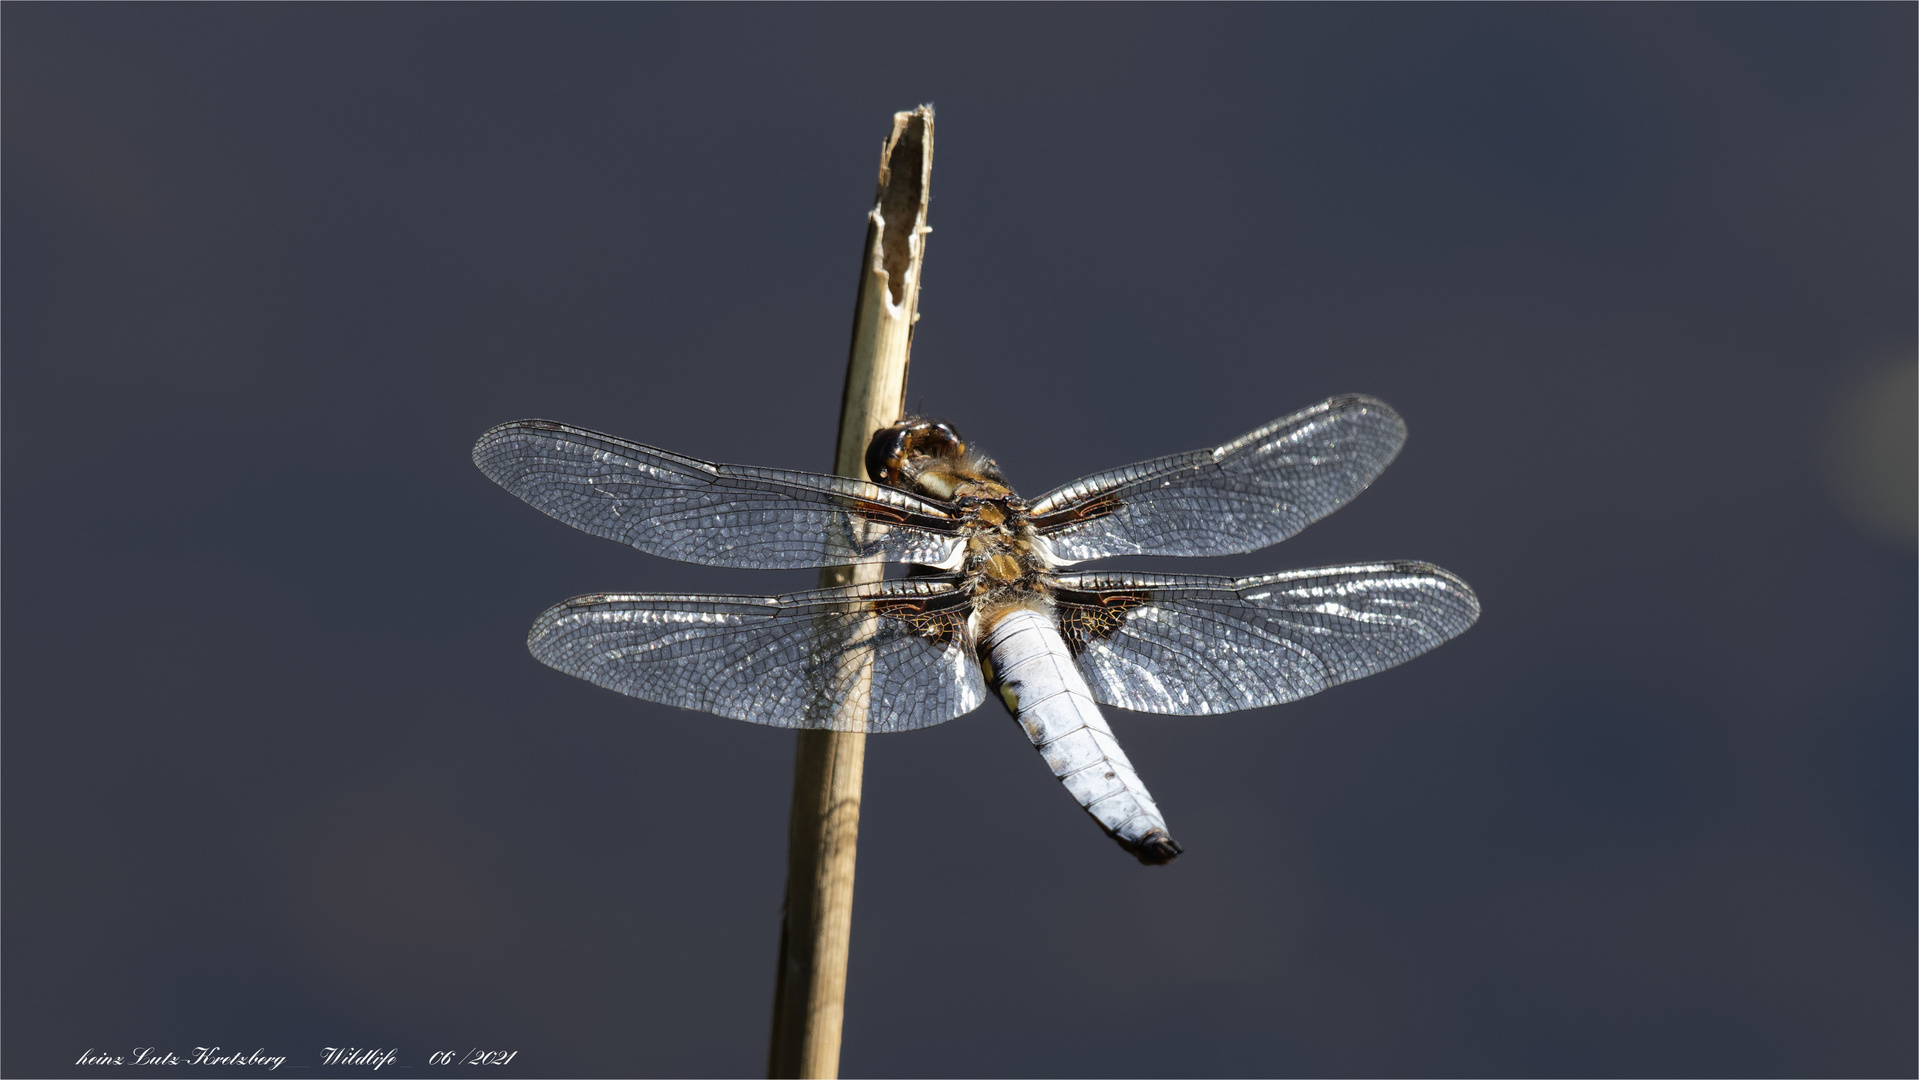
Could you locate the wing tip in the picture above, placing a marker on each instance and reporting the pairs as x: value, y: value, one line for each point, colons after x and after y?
x: 1467, y: 597
x: 1462, y: 593
x: 500, y: 433
x: 1368, y: 405
x: 1372, y: 406
x: 1367, y: 402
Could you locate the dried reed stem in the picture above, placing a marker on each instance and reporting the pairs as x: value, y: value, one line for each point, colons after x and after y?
x: 810, y: 997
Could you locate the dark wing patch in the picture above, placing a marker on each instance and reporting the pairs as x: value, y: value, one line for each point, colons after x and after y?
x: 814, y: 660
x: 1193, y: 646
x: 1091, y: 508
x: 941, y: 620
x: 682, y: 508
x: 1086, y: 617
x: 1257, y: 490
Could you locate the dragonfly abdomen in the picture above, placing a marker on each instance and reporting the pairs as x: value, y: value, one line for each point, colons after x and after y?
x: 1030, y: 667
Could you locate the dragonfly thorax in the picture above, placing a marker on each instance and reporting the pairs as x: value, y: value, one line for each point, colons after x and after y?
x: 1003, y: 566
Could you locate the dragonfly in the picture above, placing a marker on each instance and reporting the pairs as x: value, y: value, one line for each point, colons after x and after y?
x: 988, y: 603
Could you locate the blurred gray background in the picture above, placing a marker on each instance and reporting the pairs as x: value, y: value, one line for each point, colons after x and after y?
x: 279, y: 772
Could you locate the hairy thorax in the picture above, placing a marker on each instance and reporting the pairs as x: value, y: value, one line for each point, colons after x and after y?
x: 1003, y: 567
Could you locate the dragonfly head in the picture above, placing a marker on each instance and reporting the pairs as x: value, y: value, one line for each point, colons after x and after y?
x: 928, y: 457
x: 897, y: 453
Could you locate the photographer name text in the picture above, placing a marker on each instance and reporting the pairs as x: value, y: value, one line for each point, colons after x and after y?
x: 374, y: 1058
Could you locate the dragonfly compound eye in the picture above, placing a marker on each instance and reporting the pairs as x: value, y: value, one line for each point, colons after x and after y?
x: 893, y: 449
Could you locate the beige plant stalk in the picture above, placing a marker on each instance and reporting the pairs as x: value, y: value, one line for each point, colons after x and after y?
x: 810, y: 998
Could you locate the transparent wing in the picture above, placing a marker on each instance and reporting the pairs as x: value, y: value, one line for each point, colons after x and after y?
x: 696, y: 511
x: 1193, y: 646
x: 805, y: 660
x: 1257, y: 490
